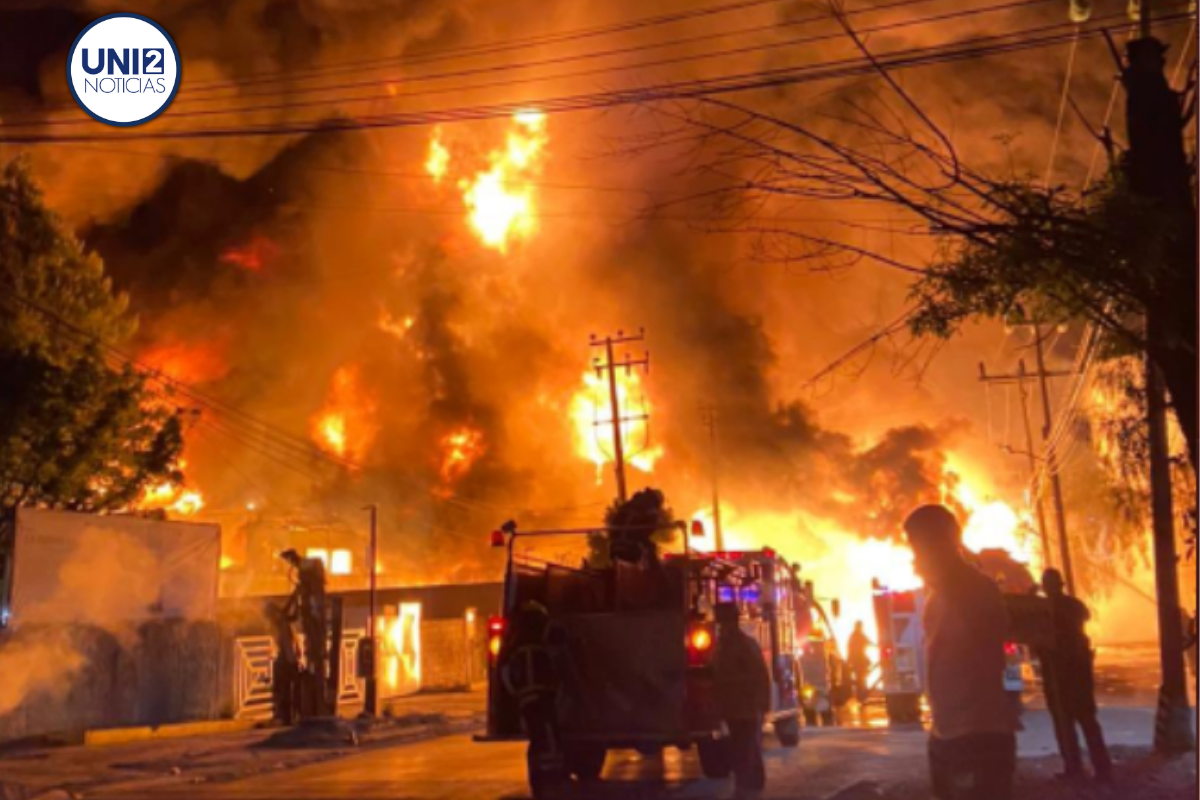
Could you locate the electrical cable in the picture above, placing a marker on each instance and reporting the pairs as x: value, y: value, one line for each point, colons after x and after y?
x: 1062, y: 110
x: 678, y: 90
x: 390, y: 96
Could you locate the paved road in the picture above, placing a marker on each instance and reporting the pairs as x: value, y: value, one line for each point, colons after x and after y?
x: 459, y: 769
x: 828, y: 761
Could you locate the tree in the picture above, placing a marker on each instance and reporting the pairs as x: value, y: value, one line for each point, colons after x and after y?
x: 998, y: 247
x: 1109, y: 257
x: 75, y: 433
x: 637, y: 526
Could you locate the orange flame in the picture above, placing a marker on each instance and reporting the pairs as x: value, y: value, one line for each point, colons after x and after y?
x: 591, y: 413
x: 187, y: 362
x: 461, y: 448
x: 438, y: 160
x: 253, y: 256
x: 345, y: 426
x: 500, y: 201
x: 843, y: 564
x: 398, y: 327
x: 171, y: 497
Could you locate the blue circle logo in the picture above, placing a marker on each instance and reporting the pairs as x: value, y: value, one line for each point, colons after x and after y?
x: 124, y: 69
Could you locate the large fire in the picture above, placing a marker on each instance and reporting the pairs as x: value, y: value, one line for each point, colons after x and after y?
x: 345, y: 425
x: 844, y: 565
x: 461, y: 448
x: 253, y: 256
x: 188, y: 362
x: 500, y: 200
x: 171, y: 497
x: 591, y: 413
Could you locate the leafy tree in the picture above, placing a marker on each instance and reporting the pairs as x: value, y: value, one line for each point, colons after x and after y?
x: 1001, y: 246
x: 1109, y: 257
x: 638, y: 526
x: 74, y: 432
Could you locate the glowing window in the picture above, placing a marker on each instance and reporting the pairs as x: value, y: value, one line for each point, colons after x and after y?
x: 340, y: 562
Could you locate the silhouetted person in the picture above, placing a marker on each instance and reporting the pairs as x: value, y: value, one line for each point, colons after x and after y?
x: 1074, y: 681
x: 533, y: 656
x: 743, y: 690
x: 307, y: 604
x: 972, y: 743
x: 858, y: 661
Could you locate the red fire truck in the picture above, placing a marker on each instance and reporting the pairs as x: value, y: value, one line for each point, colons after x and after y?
x: 641, y: 639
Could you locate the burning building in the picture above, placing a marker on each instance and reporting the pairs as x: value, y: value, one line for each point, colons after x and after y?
x: 400, y: 314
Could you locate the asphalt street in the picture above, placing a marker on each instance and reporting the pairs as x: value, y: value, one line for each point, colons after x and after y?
x: 828, y: 761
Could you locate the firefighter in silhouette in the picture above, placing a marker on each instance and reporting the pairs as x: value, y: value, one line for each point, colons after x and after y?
x: 743, y: 691
x: 858, y: 661
x: 285, y: 668
x: 307, y: 604
x: 635, y: 523
x: 533, y: 656
x: 1074, y: 682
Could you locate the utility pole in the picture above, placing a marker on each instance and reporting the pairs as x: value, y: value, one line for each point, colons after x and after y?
x: 1042, y: 374
x: 1039, y: 506
x: 1060, y: 516
x: 1157, y: 168
x: 371, y: 690
x: 710, y: 421
x: 611, y: 365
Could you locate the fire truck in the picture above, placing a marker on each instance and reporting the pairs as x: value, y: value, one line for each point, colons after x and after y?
x: 901, y: 651
x: 641, y: 640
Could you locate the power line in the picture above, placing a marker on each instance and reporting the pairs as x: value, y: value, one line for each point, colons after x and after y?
x: 1062, y: 110
x: 507, y: 83
x: 80, y: 119
x: 475, y: 51
x: 677, y: 90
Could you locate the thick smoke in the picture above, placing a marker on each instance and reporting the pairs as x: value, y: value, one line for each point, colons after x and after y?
x: 106, y: 586
x: 260, y: 268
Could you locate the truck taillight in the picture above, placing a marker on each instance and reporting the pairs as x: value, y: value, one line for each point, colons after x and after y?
x: 496, y: 626
x: 699, y: 645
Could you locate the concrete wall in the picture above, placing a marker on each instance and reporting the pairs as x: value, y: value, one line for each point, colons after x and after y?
x: 168, y: 671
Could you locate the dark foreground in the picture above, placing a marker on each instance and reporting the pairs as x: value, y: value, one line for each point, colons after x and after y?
x: 848, y: 763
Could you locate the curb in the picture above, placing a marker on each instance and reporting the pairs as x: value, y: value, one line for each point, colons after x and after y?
x: 178, y: 730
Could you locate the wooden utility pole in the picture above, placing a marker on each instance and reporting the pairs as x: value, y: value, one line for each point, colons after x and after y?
x: 1050, y: 448
x: 1039, y: 506
x: 1158, y: 171
x: 1050, y: 464
x: 710, y: 421
x: 610, y: 365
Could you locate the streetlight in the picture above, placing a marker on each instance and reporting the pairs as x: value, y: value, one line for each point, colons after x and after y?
x: 367, y: 658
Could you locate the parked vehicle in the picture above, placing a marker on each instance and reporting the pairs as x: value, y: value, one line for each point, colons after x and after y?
x: 640, y: 640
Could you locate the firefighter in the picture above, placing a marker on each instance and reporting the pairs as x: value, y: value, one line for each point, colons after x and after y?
x: 533, y: 671
x: 1074, y: 680
x: 858, y: 661
x: 743, y: 691
x: 972, y: 742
